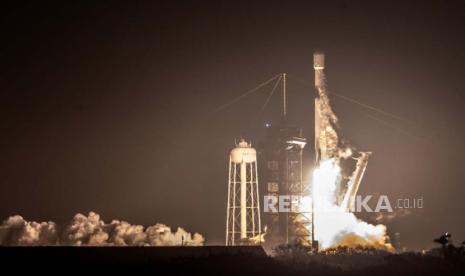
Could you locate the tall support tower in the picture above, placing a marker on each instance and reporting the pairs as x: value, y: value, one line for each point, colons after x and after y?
x: 282, y: 152
x: 282, y: 174
x: 243, y: 224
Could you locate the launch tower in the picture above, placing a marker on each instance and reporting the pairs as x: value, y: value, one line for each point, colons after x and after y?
x: 282, y: 154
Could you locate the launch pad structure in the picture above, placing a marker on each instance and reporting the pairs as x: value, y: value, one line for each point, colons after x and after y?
x: 281, y: 173
x: 283, y: 153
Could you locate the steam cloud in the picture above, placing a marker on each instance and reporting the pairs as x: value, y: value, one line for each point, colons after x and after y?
x: 90, y: 230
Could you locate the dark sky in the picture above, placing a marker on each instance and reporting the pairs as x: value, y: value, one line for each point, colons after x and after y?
x: 108, y: 106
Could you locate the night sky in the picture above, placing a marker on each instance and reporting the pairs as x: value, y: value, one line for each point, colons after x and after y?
x: 109, y: 106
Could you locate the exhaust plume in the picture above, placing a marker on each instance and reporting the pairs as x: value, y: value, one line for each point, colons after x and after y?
x: 335, y: 226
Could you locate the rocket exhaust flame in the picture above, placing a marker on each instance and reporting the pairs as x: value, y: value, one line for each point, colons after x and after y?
x: 334, y: 225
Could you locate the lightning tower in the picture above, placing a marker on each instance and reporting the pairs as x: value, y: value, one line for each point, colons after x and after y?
x: 283, y: 176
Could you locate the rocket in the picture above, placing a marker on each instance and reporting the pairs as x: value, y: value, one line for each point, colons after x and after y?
x: 319, y: 66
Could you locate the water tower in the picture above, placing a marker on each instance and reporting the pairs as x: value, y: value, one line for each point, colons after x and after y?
x: 243, y: 224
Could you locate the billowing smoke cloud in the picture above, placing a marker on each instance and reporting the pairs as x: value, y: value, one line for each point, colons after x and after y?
x: 84, y: 230
x: 16, y: 231
x: 160, y: 234
x: 335, y: 226
x: 90, y: 230
x: 125, y: 233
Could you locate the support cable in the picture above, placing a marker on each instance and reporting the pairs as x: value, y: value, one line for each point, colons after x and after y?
x: 270, y: 95
x: 385, y: 113
x: 393, y: 126
x: 245, y: 94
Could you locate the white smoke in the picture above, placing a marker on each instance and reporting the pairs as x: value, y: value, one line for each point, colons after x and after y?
x: 160, y: 234
x: 90, y: 230
x: 15, y: 230
x: 84, y: 230
x: 345, y: 153
x: 125, y: 233
x: 334, y: 226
